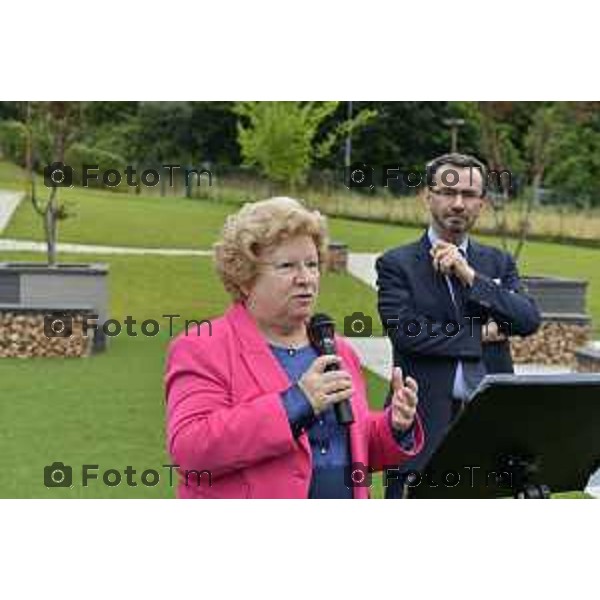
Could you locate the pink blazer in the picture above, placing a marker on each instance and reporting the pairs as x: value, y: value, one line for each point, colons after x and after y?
x: 225, y: 416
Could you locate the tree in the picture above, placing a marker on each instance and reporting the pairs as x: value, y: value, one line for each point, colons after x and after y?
x: 574, y: 157
x: 521, y: 138
x: 61, y: 121
x: 498, y: 145
x: 538, y: 141
x: 409, y: 134
x: 10, y: 110
x: 216, y: 125
x: 406, y: 134
x: 152, y: 132
x: 501, y: 151
x: 280, y: 138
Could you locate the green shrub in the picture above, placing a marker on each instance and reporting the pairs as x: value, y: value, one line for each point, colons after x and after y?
x: 13, y: 144
x: 13, y: 141
x: 78, y: 155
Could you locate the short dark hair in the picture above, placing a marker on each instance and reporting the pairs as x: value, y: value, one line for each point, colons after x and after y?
x: 457, y: 160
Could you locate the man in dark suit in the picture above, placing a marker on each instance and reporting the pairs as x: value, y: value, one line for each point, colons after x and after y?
x: 443, y: 298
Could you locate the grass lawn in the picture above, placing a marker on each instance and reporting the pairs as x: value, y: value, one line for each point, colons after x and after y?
x: 113, y: 219
x: 108, y: 409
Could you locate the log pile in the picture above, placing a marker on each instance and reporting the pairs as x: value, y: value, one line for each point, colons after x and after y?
x: 24, y: 334
x: 554, y: 343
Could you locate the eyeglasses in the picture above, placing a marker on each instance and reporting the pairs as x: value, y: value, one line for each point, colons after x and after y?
x: 286, y: 268
x: 451, y: 193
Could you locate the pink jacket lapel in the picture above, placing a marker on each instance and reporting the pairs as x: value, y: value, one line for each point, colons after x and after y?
x: 268, y: 374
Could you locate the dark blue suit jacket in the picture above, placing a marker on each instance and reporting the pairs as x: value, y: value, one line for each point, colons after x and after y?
x: 410, y: 289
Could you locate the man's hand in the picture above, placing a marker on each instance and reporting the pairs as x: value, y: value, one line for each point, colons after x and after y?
x: 404, y: 400
x: 448, y: 260
x: 490, y: 332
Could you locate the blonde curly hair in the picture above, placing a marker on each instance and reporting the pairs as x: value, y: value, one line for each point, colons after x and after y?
x: 260, y: 225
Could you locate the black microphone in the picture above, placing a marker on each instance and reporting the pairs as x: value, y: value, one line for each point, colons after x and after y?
x: 321, y: 330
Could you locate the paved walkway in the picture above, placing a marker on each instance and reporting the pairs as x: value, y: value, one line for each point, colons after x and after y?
x: 362, y: 266
x: 376, y: 354
x: 28, y: 246
x: 8, y: 204
x: 593, y: 486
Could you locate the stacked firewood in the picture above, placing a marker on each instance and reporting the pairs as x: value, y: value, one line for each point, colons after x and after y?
x: 554, y: 343
x: 26, y: 334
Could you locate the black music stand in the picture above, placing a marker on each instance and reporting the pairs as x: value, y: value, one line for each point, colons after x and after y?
x: 521, y: 436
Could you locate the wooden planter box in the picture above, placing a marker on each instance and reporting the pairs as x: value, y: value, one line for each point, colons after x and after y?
x: 566, y: 326
x: 26, y: 286
x: 558, y: 296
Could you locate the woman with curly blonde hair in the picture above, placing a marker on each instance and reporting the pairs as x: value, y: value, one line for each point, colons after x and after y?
x: 253, y: 403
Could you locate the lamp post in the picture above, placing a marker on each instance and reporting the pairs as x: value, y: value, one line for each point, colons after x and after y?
x: 454, y: 125
x: 348, y: 146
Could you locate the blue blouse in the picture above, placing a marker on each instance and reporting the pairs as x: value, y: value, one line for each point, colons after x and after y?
x: 329, y: 441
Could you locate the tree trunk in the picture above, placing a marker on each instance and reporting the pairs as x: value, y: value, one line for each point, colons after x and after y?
x: 51, y: 221
x: 51, y: 226
x: 526, y: 220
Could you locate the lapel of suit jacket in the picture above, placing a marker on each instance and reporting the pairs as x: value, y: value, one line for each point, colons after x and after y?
x: 479, y: 259
x: 431, y: 279
x: 476, y: 256
x: 266, y: 371
x: 423, y: 260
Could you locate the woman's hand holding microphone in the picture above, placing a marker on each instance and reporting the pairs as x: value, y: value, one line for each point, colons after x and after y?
x: 326, y: 388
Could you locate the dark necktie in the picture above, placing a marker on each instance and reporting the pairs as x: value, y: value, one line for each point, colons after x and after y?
x: 458, y: 289
x: 473, y: 370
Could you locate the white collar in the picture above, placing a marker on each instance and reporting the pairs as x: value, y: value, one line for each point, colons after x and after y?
x: 434, y: 237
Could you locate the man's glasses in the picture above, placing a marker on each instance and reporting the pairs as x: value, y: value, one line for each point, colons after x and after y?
x: 451, y: 193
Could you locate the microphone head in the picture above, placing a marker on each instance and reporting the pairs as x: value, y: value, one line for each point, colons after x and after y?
x: 321, y: 330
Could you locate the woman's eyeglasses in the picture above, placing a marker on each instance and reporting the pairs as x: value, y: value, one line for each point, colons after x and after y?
x: 287, y: 267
